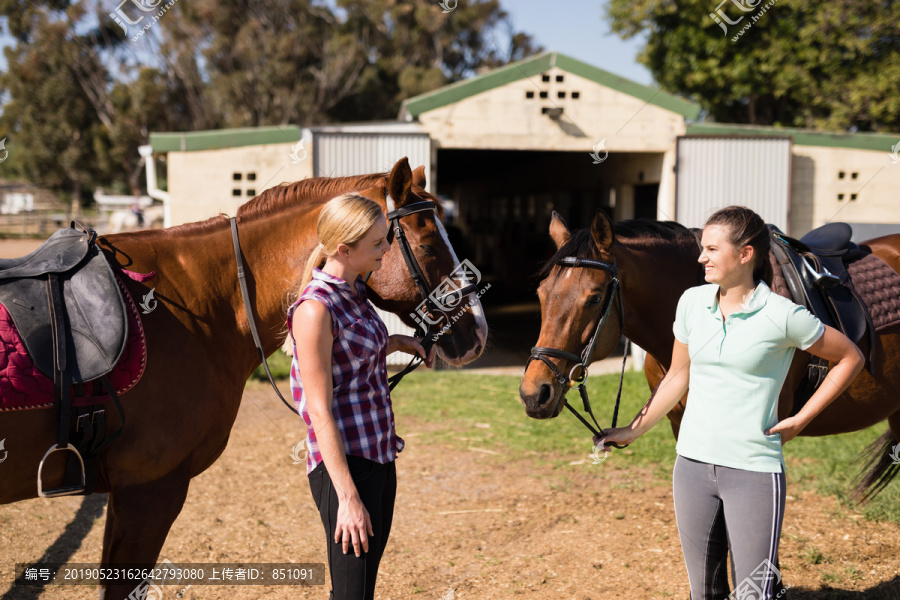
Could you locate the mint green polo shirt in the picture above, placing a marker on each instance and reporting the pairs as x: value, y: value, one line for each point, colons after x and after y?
x: 737, y: 369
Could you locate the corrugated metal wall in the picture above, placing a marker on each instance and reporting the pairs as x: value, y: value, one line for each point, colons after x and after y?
x: 345, y: 154
x: 714, y: 172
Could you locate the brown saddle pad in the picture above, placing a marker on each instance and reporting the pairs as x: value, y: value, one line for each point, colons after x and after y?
x: 879, y: 287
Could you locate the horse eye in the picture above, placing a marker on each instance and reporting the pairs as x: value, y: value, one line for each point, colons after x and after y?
x: 595, y: 299
x: 428, y: 250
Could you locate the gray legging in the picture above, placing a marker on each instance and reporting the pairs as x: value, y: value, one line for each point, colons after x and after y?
x: 719, y: 506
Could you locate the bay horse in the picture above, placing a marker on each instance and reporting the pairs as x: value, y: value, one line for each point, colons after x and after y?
x: 200, y: 350
x: 657, y: 262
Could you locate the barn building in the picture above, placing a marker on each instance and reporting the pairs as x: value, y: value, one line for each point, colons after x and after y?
x: 507, y: 147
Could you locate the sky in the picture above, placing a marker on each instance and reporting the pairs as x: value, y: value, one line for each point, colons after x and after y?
x: 579, y: 29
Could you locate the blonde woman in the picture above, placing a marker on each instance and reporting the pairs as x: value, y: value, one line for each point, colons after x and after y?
x: 339, y: 384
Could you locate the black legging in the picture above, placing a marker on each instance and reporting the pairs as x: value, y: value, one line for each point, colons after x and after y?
x: 352, y: 577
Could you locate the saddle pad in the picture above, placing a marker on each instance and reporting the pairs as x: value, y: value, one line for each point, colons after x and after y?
x: 23, y: 386
x: 879, y: 287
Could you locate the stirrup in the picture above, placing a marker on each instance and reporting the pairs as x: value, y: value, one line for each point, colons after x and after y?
x: 824, y: 279
x: 60, y: 491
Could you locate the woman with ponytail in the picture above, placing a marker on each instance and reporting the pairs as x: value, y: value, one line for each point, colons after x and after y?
x: 339, y: 384
x: 734, y: 342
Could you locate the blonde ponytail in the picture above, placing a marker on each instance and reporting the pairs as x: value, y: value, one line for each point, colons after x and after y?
x: 316, y: 260
x: 345, y: 219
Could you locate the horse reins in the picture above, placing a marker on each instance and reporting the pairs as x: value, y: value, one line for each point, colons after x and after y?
x: 613, y: 294
x: 432, y: 302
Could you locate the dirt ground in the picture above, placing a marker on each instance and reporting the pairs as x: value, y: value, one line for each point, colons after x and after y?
x: 469, y: 524
x: 12, y: 248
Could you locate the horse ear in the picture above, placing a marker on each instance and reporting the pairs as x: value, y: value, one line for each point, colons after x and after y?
x: 558, y: 230
x: 602, y: 231
x: 399, y: 182
x: 418, y: 176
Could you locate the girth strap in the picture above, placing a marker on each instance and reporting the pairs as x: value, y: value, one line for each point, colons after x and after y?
x: 61, y: 375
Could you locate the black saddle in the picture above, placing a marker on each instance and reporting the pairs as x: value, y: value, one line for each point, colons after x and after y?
x: 815, y: 271
x: 68, y: 309
x: 91, y: 305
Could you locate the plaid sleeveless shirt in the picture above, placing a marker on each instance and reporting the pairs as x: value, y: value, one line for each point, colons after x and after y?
x: 361, y: 401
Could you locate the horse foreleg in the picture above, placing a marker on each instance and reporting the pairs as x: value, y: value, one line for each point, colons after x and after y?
x: 138, y: 519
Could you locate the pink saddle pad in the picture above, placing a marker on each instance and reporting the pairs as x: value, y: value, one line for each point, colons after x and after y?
x: 23, y: 386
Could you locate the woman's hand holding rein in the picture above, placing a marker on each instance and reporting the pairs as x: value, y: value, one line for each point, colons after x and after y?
x: 410, y: 345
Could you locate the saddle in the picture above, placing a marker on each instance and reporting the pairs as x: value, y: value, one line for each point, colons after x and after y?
x: 68, y: 309
x: 815, y: 272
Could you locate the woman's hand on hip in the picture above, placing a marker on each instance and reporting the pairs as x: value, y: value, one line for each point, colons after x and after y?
x: 788, y: 429
x: 354, y: 526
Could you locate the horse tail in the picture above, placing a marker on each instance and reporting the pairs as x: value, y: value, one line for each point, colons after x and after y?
x: 882, y: 468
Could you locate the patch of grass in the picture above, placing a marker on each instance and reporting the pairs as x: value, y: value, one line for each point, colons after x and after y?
x: 279, y: 365
x: 461, y: 404
x: 813, y: 555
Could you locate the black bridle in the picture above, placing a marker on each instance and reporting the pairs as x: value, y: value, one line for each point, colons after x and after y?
x: 432, y: 302
x: 613, y: 294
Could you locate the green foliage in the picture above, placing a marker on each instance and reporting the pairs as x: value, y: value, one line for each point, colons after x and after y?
x: 82, y: 94
x: 822, y: 65
x: 455, y: 407
x: 49, y: 119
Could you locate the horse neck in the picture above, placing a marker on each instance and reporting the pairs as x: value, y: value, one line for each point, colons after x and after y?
x: 653, y: 274
x: 275, y: 250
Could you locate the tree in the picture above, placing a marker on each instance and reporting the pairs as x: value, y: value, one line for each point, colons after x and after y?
x: 823, y: 65
x: 84, y: 89
x: 51, y: 120
x: 414, y: 48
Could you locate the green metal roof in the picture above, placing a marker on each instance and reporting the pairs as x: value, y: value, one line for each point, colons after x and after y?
x: 537, y: 65
x: 802, y: 137
x: 223, y: 138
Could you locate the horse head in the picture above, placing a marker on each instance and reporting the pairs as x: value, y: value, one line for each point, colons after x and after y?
x: 577, y: 293
x: 458, y: 327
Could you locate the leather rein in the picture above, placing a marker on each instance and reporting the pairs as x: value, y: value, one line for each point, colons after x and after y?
x: 432, y: 301
x: 578, y: 379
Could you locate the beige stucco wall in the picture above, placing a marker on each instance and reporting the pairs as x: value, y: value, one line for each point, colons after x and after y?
x: 504, y: 119
x: 816, y: 184
x: 201, y: 183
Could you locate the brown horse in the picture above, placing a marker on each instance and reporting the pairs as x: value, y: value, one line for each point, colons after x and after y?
x: 657, y: 262
x: 200, y: 350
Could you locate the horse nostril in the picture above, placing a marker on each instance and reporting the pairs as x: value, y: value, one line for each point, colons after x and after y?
x: 545, y: 395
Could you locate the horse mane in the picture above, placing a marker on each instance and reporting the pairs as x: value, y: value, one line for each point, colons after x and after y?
x: 274, y: 199
x: 317, y: 189
x: 649, y: 228
x: 581, y: 244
